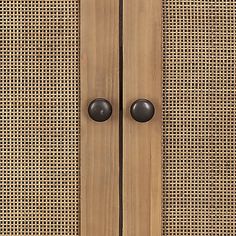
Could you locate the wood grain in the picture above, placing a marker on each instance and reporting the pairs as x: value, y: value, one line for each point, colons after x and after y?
x: 99, y: 141
x: 142, y: 141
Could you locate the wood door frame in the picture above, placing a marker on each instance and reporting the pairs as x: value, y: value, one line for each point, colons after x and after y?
x: 99, y: 141
x: 142, y: 176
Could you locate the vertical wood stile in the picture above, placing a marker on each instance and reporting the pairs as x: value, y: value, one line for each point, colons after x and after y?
x: 142, y: 141
x: 100, y: 141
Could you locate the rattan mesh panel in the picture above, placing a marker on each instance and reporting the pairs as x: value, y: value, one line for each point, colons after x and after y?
x: 39, y: 117
x: 199, y: 117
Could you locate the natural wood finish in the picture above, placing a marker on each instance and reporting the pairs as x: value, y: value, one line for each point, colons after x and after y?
x: 99, y: 141
x: 142, y: 142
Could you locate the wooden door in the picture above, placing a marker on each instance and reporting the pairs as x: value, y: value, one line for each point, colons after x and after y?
x: 100, y: 140
x: 179, y: 168
x: 59, y: 170
x: 142, y: 141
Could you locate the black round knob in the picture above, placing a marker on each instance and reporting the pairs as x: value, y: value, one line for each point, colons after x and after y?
x: 142, y: 110
x: 100, y: 109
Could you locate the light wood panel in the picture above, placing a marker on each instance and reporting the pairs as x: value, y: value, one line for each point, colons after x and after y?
x: 99, y: 141
x: 142, y: 141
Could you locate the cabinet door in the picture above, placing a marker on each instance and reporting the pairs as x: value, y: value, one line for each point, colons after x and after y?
x: 142, y: 141
x: 100, y: 140
x: 179, y: 168
x: 58, y: 168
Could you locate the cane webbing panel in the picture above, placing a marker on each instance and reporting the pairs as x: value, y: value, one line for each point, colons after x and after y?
x: 199, y: 117
x: 39, y: 117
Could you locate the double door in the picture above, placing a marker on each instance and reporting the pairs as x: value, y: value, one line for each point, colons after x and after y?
x: 121, y: 61
x: 118, y: 117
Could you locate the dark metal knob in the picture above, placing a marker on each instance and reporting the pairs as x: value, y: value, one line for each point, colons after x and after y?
x: 142, y: 110
x: 100, y: 109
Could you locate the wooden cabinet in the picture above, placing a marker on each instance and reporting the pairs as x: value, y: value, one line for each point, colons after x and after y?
x: 78, y: 80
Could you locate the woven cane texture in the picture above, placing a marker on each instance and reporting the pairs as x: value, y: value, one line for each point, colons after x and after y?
x: 199, y: 117
x: 39, y: 117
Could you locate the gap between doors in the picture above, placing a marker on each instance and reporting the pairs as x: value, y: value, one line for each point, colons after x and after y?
x: 120, y: 117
